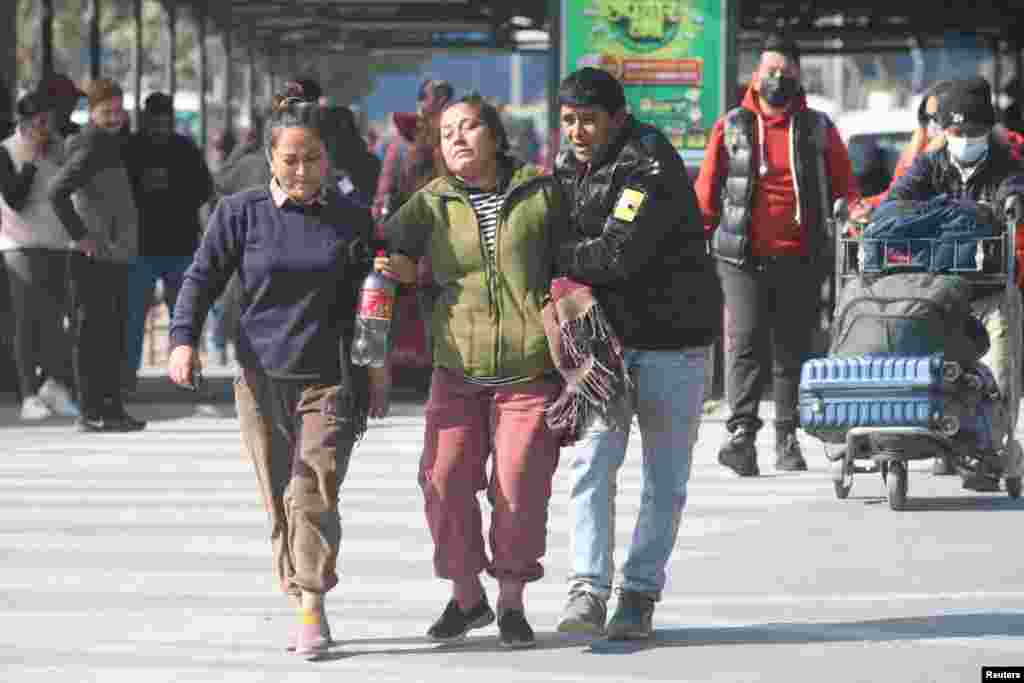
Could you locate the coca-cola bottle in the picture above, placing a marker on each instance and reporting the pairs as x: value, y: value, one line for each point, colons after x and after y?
x: 374, y: 314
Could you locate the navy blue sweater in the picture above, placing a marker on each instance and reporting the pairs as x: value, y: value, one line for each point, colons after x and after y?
x: 298, y: 275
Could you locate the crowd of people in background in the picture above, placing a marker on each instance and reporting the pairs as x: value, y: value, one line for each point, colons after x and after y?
x: 96, y: 221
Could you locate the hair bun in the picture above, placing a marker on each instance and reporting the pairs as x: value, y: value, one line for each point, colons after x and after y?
x: 277, y: 103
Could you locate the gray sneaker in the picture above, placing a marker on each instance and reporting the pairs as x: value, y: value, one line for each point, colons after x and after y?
x: 584, y: 613
x: 632, y: 617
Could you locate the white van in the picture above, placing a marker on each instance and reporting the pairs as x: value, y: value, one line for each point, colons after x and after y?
x: 875, y: 138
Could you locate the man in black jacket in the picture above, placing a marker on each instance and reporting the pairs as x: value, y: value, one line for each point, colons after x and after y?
x: 171, y: 181
x: 641, y: 248
x: 972, y: 164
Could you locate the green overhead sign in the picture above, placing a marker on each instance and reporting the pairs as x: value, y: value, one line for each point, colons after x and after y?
x: 669, y: 55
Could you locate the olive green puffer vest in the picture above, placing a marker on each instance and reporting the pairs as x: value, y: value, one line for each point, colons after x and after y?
x: 486, y: 319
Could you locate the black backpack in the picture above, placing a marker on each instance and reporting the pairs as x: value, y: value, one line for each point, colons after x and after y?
x: 913, y: 314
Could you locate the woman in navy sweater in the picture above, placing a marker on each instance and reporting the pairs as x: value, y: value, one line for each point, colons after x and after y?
x: 300, y: 250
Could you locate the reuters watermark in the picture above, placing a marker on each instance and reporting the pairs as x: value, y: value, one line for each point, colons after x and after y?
x: 1002, y: 673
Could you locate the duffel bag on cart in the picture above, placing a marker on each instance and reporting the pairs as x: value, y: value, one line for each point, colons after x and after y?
x: 908, y: 313
x: 938, y: 235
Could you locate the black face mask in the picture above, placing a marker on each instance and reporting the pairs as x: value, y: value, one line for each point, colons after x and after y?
x: 778, y: 90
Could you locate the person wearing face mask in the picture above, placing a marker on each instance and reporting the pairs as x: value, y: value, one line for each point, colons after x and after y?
x: 92, y: 196
x: 171, y: 181
x: 64, y: 94
x: 927, y: 135
x: 771, y: 171
x: 975, y: 164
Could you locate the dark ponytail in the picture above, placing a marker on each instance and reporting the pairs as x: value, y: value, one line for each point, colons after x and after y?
x: 291, y: 112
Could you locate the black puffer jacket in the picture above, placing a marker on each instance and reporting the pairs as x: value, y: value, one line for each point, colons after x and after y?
x: 640, y: 242
x: 933, y: 173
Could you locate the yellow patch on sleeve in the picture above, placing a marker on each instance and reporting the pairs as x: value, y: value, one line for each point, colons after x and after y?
x: 628, y: 205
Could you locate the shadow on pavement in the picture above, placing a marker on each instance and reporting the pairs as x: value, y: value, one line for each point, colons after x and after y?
x: 153, y: 413
x: 344, y: 649
x: 995, y: 501
x: 972, y: 625
x: 189, y: 405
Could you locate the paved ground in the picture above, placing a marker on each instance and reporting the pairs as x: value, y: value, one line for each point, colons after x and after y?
x: 144, y: 558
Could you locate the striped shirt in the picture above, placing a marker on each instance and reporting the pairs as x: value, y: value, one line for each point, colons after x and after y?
x: 487, y: 206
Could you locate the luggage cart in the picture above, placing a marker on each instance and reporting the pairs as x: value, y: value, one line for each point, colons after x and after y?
x: 898, y: 413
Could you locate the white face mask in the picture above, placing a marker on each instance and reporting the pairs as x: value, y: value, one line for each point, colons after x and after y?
x: 967, y: 150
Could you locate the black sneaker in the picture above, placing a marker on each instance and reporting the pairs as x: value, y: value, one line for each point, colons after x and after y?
x: 739, y: 453
x: 633, y: 617
x: 983, y: 483
x: 123, y: 422
x: 454, y: 624
x: 788, y: 457
x: 91, y: 424
x: 985, y: 475
x: 515, y: 630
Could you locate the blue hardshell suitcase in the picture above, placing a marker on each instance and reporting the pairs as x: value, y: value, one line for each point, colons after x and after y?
x: 884, y: 390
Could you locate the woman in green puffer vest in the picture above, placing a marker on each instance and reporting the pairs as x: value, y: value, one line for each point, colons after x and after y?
x: 490, y: 227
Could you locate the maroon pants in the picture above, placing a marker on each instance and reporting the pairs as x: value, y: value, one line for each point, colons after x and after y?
x: 465, y: 424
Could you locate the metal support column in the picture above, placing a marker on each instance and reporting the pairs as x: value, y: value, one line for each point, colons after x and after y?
x: 137, y: 64
x: 93, y: 19
x: 46, y: 36
x: 1018, y: 59
x: 997, y: 75
x: 171, y: 16
x: 229, y: 86
x: 555, y: 38
x: 273, y: 70
x: 8, y: 64
x: 203, y: 69
x: 250, y: 85
x: 515, y: 69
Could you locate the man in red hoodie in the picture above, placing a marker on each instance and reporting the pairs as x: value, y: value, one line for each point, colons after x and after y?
x: 771, y: 171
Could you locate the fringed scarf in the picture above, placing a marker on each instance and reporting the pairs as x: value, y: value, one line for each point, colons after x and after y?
x: 588, y: 355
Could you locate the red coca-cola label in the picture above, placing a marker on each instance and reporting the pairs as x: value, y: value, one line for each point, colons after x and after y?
x: 375, y: 304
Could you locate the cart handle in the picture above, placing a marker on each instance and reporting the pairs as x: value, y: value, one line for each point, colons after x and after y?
x: 841, y: 211
x: 1013, y: 209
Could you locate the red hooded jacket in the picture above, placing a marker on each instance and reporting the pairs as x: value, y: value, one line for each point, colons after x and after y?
x: 773, y: 227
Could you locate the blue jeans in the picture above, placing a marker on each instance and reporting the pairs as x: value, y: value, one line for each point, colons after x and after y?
x: 144, y: 274
x: 667, y: 401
